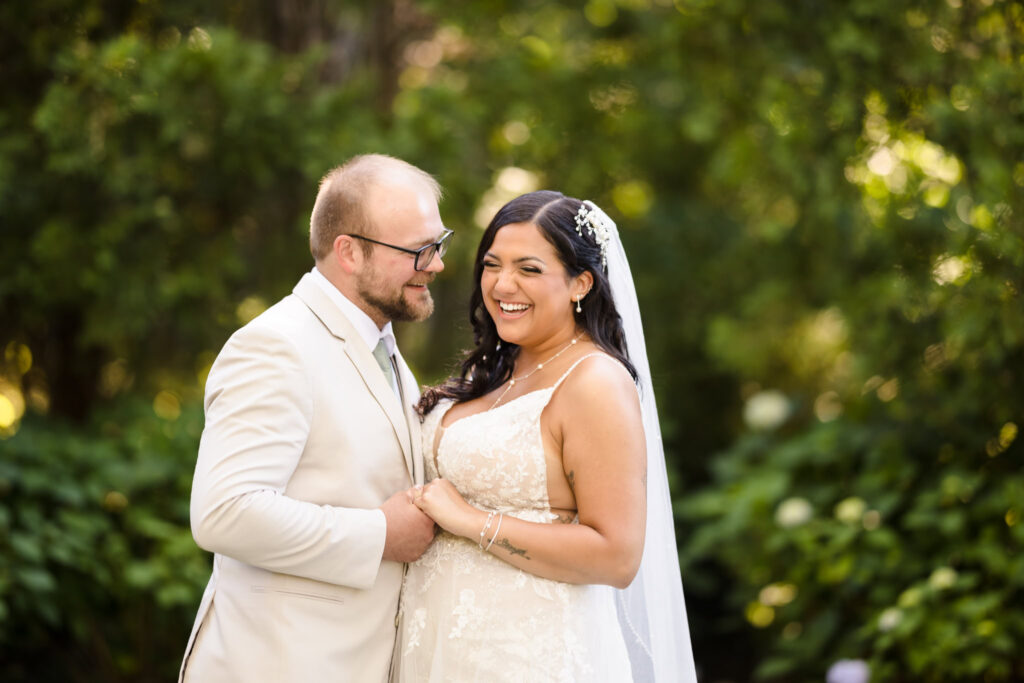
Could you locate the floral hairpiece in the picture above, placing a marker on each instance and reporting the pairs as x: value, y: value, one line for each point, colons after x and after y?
x: 589, y: 216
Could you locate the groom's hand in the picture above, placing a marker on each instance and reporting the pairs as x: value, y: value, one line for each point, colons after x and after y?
x: 409, y: 530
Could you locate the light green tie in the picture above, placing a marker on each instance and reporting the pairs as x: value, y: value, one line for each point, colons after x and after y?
x: 380, y: 354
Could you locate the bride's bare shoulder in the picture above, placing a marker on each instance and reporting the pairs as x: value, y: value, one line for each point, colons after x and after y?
x: 599, y: 382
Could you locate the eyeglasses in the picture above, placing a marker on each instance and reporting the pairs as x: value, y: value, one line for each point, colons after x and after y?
x: 425, y: 254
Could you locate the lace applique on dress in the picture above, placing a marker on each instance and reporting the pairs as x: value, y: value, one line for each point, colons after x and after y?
x: 469, y: 616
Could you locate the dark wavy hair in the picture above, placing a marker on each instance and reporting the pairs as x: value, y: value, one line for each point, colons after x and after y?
x: 490, y: 364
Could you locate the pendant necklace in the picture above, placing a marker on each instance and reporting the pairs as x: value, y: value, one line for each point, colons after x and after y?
x: 512, y: 382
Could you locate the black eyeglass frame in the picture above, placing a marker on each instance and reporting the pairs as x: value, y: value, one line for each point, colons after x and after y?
x: 440, y: 247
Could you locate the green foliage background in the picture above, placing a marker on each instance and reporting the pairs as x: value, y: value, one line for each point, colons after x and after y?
x: 822, y: 202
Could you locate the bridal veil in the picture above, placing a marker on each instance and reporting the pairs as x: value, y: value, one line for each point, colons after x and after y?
x: 651, y: 610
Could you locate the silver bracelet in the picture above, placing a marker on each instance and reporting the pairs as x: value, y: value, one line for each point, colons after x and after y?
x: 501, y: 516
x: 487, y: 525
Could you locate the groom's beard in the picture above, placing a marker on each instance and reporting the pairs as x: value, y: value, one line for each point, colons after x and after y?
x: 395, y: 305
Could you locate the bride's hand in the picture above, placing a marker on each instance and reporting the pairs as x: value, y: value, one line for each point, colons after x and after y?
x: 442, y: 502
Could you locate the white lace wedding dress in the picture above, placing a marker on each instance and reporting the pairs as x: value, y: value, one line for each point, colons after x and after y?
x: 469, y: 616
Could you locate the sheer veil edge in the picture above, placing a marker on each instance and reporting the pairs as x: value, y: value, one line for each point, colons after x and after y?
x: 652, y: 612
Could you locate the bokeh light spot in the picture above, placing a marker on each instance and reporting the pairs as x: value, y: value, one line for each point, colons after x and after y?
x: 20, y: 356
x: 516, y: 132
x: 793, y: 512
x: 199, y: 40
x: 600, y: 13
x: 777, y: 594
x: 872, y: 520
x: 250, y: 307
x: 986, y: 628
x: 850, y: 510
x: 167, y: 406
x: 7, y: 412
x: 828, y: 406
x: 633, y: 198
x: 510, y: 182
x: 942, y: 578
x: 890, y: 618
x: 760, y: 616
x: 889, y: 390
x: 115, y: 501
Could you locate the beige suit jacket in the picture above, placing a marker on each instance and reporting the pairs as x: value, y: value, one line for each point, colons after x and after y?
x: 304, y: 439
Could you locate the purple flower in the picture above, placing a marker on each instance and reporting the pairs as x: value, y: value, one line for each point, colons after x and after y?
x: 848, y: 671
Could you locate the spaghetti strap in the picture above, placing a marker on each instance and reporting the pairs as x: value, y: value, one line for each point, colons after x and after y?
x: 578, y: 361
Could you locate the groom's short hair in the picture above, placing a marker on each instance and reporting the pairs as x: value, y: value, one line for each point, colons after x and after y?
x: 340, y: 206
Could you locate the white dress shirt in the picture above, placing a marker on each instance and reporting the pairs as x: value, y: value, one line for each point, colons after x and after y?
x: 367, y: 329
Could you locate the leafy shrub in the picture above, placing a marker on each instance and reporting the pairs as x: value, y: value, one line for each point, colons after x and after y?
x: 96, y: 558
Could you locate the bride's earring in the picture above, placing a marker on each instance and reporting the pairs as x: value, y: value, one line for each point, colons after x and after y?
x: 497, y: 348
x: 579, y: 309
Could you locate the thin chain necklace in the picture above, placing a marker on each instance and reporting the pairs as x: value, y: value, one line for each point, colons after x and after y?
x: 512, y: 382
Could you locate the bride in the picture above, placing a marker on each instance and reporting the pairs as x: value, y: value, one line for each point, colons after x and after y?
x: 557, y: 559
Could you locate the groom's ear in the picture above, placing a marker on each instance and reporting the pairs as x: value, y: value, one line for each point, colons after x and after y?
x: 347, y: 253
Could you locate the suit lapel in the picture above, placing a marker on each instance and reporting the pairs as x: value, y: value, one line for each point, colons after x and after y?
x: 365, y: 364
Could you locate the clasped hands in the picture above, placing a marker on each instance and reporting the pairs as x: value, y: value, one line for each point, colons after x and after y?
x: 410, y: 516
x: 440, y: 500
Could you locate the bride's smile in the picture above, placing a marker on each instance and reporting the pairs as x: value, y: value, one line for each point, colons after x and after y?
x: 527, y: 291
x: 511, y: 309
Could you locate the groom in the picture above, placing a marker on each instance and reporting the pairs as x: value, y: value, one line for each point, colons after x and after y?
x: 311, y: 442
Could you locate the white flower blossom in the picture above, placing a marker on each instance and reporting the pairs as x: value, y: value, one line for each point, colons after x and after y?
x: 766, y: 410
x: 793, y: 512
x: 942, y: 578
x: 850, y: 510
x: 890, y: 618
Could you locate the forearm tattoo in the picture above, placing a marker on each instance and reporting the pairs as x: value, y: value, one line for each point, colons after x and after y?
x: 572, y: 480
x: 503, y: 543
